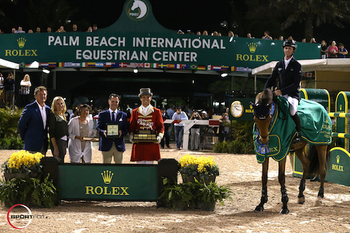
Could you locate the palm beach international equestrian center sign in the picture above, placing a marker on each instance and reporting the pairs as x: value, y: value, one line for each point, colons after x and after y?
x: 138, y: 40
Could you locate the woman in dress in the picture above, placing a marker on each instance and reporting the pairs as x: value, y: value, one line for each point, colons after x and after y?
x: 24, y: 91
x: 58, y: 128
x: 80, y: 127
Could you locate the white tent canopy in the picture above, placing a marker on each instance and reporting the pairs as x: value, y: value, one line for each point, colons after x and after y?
x: 335, y: 64
x: 8, y: 64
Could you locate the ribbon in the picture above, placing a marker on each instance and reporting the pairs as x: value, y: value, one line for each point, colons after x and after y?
x: 262, y: 148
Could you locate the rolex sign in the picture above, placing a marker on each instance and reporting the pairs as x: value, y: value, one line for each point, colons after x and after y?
x: 118, y: 182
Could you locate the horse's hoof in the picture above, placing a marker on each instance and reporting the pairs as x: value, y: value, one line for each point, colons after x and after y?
x: 319, y: 201
x: 284, y: 211
x: 301, y: 200
x: 259, y: 209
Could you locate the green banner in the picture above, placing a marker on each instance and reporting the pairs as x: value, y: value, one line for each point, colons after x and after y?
x: 338, y: 170
x: 108, y: 182
x: 138, y: 40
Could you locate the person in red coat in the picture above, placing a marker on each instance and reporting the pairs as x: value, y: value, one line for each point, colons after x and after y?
x: 146, y: 117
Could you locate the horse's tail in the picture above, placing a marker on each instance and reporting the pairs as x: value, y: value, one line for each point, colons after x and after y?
x: 313, y: 158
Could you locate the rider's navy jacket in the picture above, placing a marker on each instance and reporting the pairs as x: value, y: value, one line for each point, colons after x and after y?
x: 289, y: 78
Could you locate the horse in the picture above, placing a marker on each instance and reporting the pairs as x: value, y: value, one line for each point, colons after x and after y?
x: 314, y: 163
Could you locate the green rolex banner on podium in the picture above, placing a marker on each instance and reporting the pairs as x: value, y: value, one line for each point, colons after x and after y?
x: 106, y: 182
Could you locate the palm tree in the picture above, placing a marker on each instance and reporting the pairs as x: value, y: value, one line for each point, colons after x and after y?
x: 309, y: 12
x: 315, y: 13
x: 34, y: 13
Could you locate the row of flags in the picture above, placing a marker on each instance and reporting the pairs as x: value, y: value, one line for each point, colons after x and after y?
x: 140, y: 65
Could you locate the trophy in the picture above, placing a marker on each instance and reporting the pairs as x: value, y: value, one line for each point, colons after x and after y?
x: 145, y: 136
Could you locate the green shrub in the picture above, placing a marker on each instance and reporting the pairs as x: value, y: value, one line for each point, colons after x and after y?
x: 242, y: 139
x: 29, y: 191
x: 9, y: 137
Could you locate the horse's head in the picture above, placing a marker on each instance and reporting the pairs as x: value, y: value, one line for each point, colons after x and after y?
x: 262, y: 115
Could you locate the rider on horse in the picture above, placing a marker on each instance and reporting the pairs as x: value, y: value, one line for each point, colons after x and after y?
x: 288, y: 71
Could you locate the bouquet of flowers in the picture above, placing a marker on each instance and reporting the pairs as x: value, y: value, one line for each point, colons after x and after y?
x: 23, y: 162
x: 201, y: 167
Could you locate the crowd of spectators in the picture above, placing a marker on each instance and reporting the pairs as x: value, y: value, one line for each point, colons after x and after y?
x: 327, y: 51
x: 74, y: 28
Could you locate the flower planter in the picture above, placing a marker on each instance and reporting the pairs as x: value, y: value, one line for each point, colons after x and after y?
x: 206, y: 206
x: 208, y: 179
x: 179, y: 205
x: 187, y: 179
x: 9, y: 176
x: 202, y: 179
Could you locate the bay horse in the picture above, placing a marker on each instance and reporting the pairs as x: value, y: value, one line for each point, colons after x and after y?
x: 264, y: 109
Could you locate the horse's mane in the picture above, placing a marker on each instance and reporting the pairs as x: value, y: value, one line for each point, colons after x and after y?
x: 264, y: 98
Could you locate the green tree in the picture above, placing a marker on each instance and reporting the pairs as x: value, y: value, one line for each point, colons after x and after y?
x: 311, y: 13
x: 35, y: 13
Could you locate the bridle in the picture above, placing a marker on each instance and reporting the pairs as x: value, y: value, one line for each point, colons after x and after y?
x: 262, y: 112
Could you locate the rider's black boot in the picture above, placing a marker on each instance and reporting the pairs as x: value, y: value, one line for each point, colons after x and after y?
x: 296, y: 119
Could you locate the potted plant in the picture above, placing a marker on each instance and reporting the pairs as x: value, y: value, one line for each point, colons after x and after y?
x: 24, y: 182
x: 176, y: 196
x: 22, y: 164
x: 208, y: 195
x: 202, y: 168
x: 29, y: 191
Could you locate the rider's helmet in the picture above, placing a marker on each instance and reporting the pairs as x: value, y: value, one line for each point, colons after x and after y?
x: 290, y: 43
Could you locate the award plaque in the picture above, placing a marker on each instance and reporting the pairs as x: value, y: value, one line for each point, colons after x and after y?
x: 93, y: 136
x: 112, y: 130
x: 145, y: 136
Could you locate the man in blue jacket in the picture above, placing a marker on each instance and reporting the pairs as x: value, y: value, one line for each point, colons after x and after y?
x: 33, y: 123
x: 288, y: 74
x: 115, y: 146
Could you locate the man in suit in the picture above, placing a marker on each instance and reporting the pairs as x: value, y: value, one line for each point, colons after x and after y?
x: 33, y: 123
x: 288, y: 71
x: 112, y: 147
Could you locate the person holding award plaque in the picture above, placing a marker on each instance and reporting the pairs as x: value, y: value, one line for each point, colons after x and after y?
x: 146, y: 130
x: 112, y: 125
x: 80, y: 130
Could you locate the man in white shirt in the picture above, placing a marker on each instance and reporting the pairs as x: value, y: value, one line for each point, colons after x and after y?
x: 179, y: 128
x: 33, y: 125
x: 288, y: 72
x: 112, y: 146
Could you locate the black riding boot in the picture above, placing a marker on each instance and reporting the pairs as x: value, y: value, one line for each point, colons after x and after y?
x: 296, y: 119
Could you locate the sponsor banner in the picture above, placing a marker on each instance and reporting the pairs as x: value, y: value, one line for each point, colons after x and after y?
x: 127, y: 48
x: 108, y: 182
x: 240, y: 109
x: 137, y: 37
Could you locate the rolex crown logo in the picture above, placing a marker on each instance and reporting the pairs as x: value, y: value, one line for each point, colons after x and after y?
x: 252, y: 47
x: 21, y: 42
x: 107, y: 176
x: 338, y: 159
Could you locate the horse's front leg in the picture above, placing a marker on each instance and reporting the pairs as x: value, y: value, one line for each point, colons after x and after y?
x: 300, y: 153
x: 263, y: 200
x: 282, y: 180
